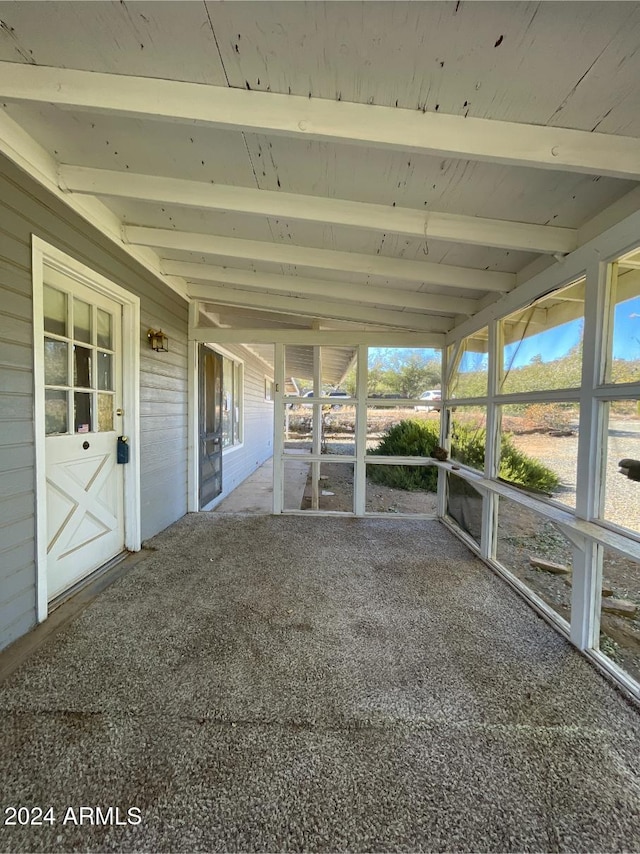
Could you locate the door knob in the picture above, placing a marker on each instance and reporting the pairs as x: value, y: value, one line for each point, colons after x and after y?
x: 85, y: 445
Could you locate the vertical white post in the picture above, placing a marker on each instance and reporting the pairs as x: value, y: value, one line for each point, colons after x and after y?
x: 586, y: 595
x: 316, y: 427
x: 445, y: 429
x: 360, y: 473
x: 278, y: 436
x: 193, y: 416
x: 587, y: 561
x: 491, y: 457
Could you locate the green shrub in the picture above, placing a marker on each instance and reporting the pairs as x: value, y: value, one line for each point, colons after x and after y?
x: 419, y: 439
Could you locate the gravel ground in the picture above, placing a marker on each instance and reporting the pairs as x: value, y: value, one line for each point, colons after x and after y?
x: 560, y: 453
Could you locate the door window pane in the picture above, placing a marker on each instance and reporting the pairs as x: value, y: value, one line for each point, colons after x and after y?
x: 81, y: 321
x: 82, y: 412
x: 82, y: 367
x: 55, y: 311
x: 105, y: 412
x: 55, y: 362
x: 105, y: 338
x: 105, y: 377
x: 55, y: 412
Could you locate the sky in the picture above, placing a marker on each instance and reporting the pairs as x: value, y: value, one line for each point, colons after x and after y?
x: 557, y: 342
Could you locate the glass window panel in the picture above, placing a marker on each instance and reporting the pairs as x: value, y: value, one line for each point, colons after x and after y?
x: 227, y: 403
x: 105, y: 413
x: 298, y: 427
x: 535, y: 550
x: 383, y: 423
x: 81, y: 321
x: 543, y: 343
x: 539, y: 448
x: 82, y: 411
x: 623, y: 362
x: 295, y: 472
x: 237, y: 398
x: 464, y: 506
x: 338, y: 429
x: 397, y: 433
x: 56, y: 362
x: 338, y: 371
x: 469, y: 435
x: 400, y: 372
x: 401, y: 489
x: 105, y: 378
x: 298, y: 369
x: 620, y: 612
x: 470, y: 369
x: 55, y: 311
x: 333, y: 489
x: 82, y: 366
x: 55, y: 412
x: 104, y: 324
x: 622, y: 483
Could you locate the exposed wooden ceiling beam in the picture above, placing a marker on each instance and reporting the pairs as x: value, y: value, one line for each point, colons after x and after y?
x: 526, y: 237
x: 301, y: 306
x: 424, y: 272
x: 327, y: 120
x: 320, y: 288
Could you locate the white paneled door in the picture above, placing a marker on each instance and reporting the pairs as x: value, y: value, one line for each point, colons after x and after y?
x: 83, y: 420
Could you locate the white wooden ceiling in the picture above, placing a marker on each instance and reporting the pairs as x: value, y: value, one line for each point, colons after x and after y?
x: 288, y: 203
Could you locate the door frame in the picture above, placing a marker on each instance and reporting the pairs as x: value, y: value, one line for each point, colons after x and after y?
x: 41, y: 253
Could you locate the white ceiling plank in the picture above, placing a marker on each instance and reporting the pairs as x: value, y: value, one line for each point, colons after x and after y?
x: 382, y: 218
x: 154, y: 39
x: 328, y: 337
x: 338, y: 121
x: 320, y: 308
x: 319, y: 288
x: 304, y: 256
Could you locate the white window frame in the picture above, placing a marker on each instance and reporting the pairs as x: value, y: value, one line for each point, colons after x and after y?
x: 588, y: 534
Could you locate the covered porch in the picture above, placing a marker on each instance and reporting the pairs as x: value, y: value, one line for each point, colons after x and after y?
x: 266, y: 683
x: 223, y: 221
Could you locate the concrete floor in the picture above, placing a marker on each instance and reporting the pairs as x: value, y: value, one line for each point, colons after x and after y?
x: 294, y: 683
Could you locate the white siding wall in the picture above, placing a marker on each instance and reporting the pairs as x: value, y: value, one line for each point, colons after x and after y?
x: 26, y: 209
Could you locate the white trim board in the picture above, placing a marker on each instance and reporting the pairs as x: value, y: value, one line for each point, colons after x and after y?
x: 41, y: 253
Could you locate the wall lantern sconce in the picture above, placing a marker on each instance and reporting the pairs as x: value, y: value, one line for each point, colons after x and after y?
x: 158, y: 340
